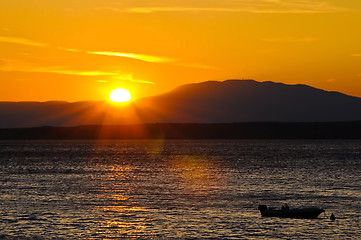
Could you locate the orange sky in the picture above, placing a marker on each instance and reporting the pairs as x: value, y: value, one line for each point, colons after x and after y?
x: 80, y: 50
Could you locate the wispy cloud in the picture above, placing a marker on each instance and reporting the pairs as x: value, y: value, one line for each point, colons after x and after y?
x: 235, y: 10
x: 126, y: 77
x: 22, y: 41
x: 145, y: 58
x: 356, y: 55
x: 137, y: 56
x: 70, y: 49
x: 248, y: 6
x: 183, y: 9
x: 80, y: 73
x: 142, y: 57
x: 16, y: 66
x: 109, y: 76
x: 290, y: 39
x: 28, y: 67
x: 130, y: 78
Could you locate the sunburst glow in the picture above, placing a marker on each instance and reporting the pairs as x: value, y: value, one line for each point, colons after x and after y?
x: 120, y: 95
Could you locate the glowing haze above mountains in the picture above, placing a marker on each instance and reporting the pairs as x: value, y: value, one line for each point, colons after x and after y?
x: 82, y: 50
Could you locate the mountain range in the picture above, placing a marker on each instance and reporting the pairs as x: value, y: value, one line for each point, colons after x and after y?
x: 207, y: 102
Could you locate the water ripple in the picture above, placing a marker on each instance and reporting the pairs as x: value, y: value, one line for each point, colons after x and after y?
x: 177, y: 189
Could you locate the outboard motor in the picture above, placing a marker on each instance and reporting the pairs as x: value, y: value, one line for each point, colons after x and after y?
x: 263, y: 209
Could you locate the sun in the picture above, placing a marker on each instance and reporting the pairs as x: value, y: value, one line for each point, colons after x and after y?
x: 120, y: 95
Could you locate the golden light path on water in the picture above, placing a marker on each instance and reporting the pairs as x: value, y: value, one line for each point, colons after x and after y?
x: 191, y: 175
x: 196, y: 175
x: 180, y: 189
x: 118, y: 203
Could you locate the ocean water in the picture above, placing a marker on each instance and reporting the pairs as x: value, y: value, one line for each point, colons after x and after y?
x: 177, y: 189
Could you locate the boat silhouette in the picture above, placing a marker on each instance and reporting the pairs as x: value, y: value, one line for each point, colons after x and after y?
x: 286, y: 212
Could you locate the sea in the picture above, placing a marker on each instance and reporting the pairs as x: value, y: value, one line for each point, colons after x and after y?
x: 178, y: 189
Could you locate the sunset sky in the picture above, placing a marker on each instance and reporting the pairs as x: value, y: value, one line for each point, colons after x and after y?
x: 76, y: 50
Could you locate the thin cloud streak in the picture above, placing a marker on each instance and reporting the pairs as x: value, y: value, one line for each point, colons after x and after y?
x: 142, y: 57
x: 145, y: 58
x: 235, y: 10
x: 71, y: 50
x: 65, y: 72
x: 82, y: 73
x: 22, y: 41
x: 247, y: 6
x: 182, y: 9
x: 130, y: 78
x: 153, y: 59
x: 18, y: 67
x: 7, y: 66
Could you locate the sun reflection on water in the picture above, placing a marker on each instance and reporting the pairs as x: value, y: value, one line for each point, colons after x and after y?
x: 196, y: 175
x: 176, y: 189
x: 155, y: 148
x: 119, y: 211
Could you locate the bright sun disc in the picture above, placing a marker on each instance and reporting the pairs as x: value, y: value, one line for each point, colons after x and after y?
x: 120, y: 95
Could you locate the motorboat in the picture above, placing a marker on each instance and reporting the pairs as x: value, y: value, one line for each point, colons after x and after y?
x: 286, y: 212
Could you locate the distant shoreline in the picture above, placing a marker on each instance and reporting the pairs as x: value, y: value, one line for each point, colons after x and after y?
x: 246, y: 130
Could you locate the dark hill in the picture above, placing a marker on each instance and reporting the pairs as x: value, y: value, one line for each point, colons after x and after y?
x: 207, y: 102
x: 248, y: 100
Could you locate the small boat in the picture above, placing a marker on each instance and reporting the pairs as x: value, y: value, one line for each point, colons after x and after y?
x: 286, y: 212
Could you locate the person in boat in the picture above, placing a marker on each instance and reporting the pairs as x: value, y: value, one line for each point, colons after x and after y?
x: 285, y: 206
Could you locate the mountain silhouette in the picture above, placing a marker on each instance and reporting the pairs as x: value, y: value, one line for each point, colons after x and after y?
x: 207, y: 102
x: 252, y: 101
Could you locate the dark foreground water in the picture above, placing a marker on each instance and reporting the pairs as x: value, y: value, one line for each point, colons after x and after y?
x: 177, y: 189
